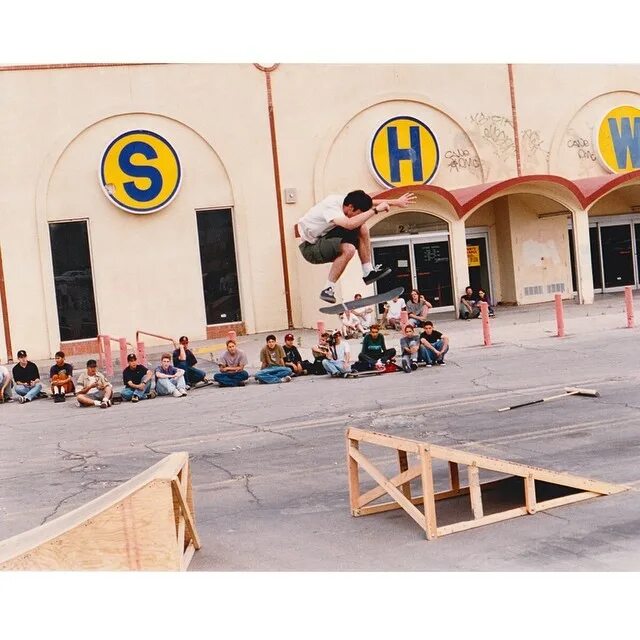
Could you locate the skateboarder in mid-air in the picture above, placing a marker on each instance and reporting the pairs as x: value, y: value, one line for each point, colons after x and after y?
x: 334, y: 229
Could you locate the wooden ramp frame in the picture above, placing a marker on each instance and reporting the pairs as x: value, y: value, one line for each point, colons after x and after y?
x: 147, y: 523
x: 399, y: 488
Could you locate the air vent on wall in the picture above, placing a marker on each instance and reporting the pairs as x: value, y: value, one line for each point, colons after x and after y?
x: 533, y: 291
x: 558, y: 287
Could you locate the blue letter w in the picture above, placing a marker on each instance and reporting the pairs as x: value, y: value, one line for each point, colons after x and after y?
x: 412, y: 153
x: 624, y: 140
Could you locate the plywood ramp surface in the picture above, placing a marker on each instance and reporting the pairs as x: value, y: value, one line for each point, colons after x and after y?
x: 147, y: 523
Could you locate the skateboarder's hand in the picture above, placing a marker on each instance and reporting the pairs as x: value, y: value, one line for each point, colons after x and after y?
x: 406, y: 199
x: 383, y: 206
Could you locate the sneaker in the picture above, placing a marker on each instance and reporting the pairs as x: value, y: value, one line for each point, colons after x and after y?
x: 135, y: 399
x: 183, y: 392
x: 286, y: 379
x: 376, y: 273
x: 208, y: 381
x: 414, y: 365
x: 103, y: 404
x: 428, y: 364
x: 406, y: 366
x: 176, y: 394
x: 441, y: 362
x: 200, y: 383
x: 151, y: 395
x: 328, y: 295
x: 78, y: 404
x: 22, y: 399
x: 242, y: 383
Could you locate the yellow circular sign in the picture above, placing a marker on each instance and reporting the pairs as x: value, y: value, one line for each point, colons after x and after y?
x: 140, y: 171
x: 404, y: 152
x: 619, y: 139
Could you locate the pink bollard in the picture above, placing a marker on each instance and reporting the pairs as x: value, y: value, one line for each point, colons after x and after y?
x: 232, y: 335
x: 320, y: 328
x: 404, y: 319
x: 123, y: 352
x: 486, y: 330
x: 108, y: 361
x: 628, y: 302
x: 141, y: 353
x: 100, y: 353
x: 559, y: 315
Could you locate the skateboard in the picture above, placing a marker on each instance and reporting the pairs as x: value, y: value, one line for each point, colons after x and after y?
x: 363, y: 302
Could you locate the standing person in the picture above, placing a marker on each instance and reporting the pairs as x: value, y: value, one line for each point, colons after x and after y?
x: 292, y: 357
x: 232, y: 363
x: 272, y: 359
x: 61, y: 375
x: 484, y: 297
x: 5, y: 384
x: 393, y: 312
x: 340, y: 362
x: 435, y: 343
x: 96, y: 390
x: 365, y: 314
x: 417, y: 308
x: 27, y: 378
x: 468, y: 308
x: 334, y: 229
x: 137, y: 381
x: 184, y: 359
x: 374, y: 352
x: 169, y: 379
x: 411, y: 349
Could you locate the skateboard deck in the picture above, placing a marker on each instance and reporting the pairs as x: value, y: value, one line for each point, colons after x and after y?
x: 363, y: 302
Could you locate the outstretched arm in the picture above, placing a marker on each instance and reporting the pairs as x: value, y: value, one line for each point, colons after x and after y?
x: 403, y: 201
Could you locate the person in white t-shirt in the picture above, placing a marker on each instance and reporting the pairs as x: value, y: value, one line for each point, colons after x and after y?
x: 340, y: 362
x: 365, y: 314
x: 6, y: 383
x: 392, y: 311
x: 351, y: 326
x: 334, y: 230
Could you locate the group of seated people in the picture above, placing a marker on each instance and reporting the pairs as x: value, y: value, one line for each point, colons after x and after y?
x: 469, y: 306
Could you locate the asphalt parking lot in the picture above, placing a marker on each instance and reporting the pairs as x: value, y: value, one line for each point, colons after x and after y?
x: 269, y: 462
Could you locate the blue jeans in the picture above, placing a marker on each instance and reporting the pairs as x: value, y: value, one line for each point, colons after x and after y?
x: 430, y: 357
x: 225, y: 379
x: 334, y: 367
x: 191, y: 374
x: 166, y: 386
x: 127, y: 393
x: 30, y: 393
x: 271, y: 375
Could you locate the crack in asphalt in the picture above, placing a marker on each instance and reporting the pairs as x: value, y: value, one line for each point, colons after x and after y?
x: 259, y: 429
x: 72, y: 455
x: 164, y: 453
x: 205, y: 457
x: 86, y: 487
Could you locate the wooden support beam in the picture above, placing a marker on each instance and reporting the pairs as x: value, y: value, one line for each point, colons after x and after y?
x: 191, y: 528
x: 490, y: 519
x: 401, y: 478
x: 530, y: 494
x: 474, y: 491
x: 354, y: 476
x: 430, y: 527
x: 454, y: 476
x: 404, y: 465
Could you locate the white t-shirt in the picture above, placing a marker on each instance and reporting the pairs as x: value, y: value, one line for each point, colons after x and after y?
x: 4, y: 372
x: 318, y: 220
x: 351, y: 321
x: 342, y: 350
x: 395, y: 308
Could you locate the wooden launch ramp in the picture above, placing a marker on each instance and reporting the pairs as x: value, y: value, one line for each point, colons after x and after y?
x: 147, y: 523
x: 529, y: 482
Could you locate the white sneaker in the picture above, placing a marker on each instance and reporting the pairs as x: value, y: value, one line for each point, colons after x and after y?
x: 176, y: 394
x: 183, y: 392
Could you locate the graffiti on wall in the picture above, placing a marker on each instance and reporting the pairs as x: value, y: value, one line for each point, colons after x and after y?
x: 532, y: 150
x: 581, y: 146
x: 462, y: 160
x: 497, y: 131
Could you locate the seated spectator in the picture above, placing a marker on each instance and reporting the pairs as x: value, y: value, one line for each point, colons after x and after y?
x: 320, y: 352
x: 392, y: 313
x: 411, y: 349
x: 417, y: 308
x: 137, y: 381
x: 467, y: 307
x: 340, y: 362
x: 184, y: 359
x: 96, y: 390
x: 272, y: 360
x: 232, y: 363
x: 61, y: 375
x: 365, y: 315
x: 6, y: 384
x: 484, y: 297
x: 169, y: 379
x: 292, y: 357
x: 374, y: 351
x: 351, y: 327
x: 436, y: 344
x: 27, y: 378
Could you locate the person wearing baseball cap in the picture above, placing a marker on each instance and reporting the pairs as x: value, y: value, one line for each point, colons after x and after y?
x: 292, y: 357
x: 27, y: 379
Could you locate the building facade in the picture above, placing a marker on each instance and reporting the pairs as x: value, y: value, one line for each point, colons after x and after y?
x: 164, y: 198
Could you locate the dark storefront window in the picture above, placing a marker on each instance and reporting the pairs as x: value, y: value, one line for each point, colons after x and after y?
x: 219, y: 268
x: 73, y: 280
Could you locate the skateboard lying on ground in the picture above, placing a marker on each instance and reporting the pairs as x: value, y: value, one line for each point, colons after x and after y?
x: 363, y: 302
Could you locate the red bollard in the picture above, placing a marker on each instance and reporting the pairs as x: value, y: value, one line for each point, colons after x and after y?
x: 486, y: 330
x: 141, y: 353
x: 100, y: 353
x: 628, y: 302
x: 404, y: 319
x: 559, y: 315
x: 320, y: 328
x: 123, y: 352
x: 108, y: 361
x: 232, y: 335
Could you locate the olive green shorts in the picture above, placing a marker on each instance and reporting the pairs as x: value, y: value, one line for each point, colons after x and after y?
x: 323, y: 250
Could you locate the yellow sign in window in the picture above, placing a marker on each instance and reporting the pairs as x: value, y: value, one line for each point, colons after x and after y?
x: 473, y: 255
